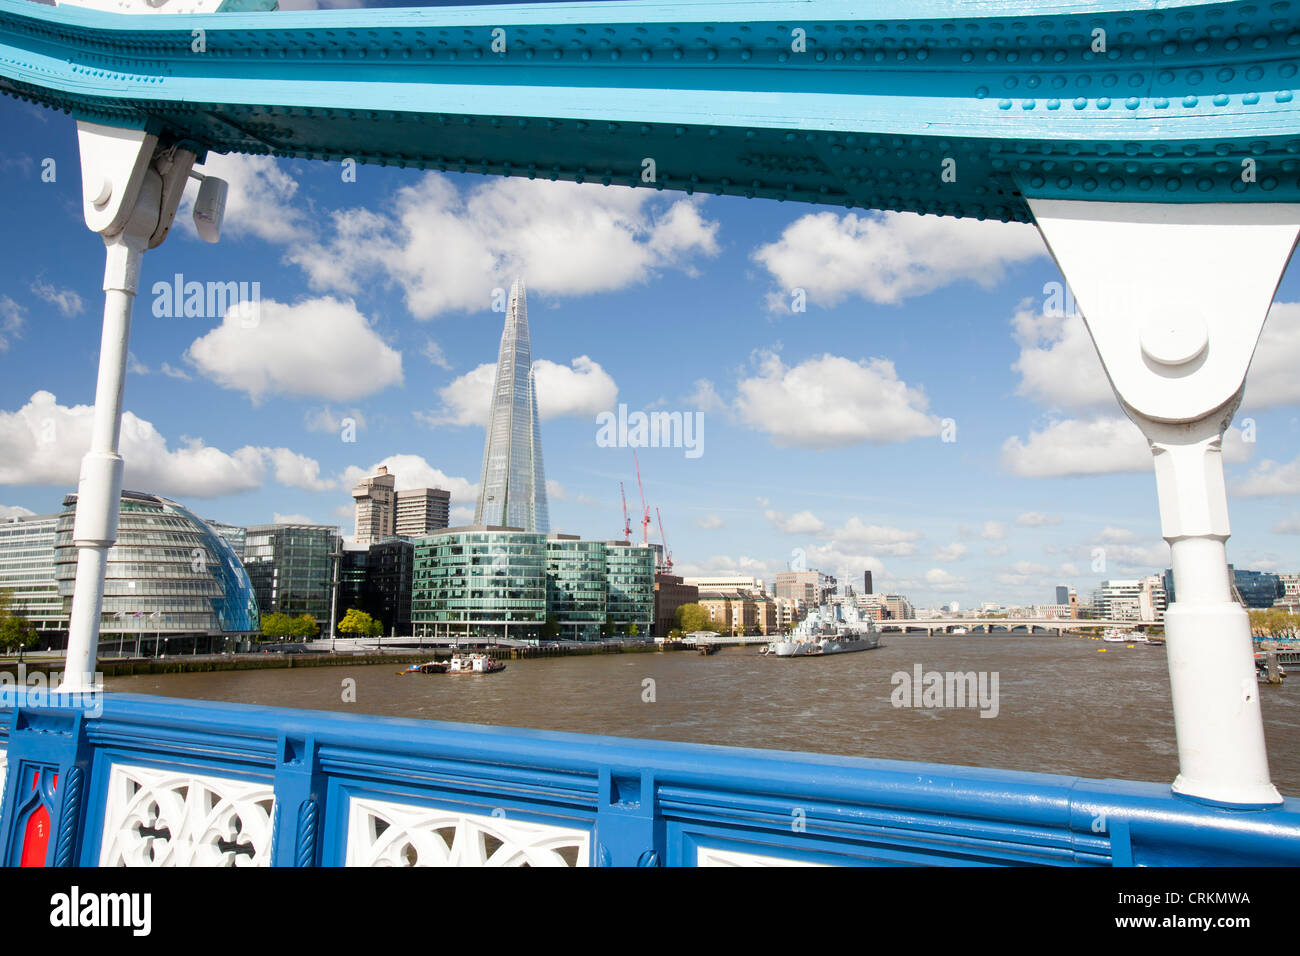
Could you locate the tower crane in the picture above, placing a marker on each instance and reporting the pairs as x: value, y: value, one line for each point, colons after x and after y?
x: 645, y: 510
x: 668, y: 555
x: 627, y: 524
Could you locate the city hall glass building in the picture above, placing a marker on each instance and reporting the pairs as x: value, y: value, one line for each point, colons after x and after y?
x: 169, y: 576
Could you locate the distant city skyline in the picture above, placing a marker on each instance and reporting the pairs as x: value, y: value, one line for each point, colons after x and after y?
x: 930, y: 416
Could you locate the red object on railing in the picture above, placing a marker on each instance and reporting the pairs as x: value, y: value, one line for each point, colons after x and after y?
x: 36, y: 835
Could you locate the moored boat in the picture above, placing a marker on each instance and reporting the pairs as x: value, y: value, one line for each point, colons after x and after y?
x: 828, y: 630
x: 474, y: 664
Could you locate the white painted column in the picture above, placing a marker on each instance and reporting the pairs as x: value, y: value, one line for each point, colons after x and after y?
x: 1175, y: 297
x: 129, y: 196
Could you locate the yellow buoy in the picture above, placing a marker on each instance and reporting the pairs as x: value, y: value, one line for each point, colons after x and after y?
x: 1101, y: 650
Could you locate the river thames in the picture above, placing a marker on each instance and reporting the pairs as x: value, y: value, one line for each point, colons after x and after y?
x: 1063, y: 707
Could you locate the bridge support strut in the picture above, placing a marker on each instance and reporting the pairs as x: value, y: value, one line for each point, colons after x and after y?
x: 130, y: 192
x: 1175, y: 297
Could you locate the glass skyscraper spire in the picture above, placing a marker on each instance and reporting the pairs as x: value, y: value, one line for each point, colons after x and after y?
x: 512, y: 492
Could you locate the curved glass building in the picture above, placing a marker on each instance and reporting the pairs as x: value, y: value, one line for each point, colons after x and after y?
x: 169, y: 575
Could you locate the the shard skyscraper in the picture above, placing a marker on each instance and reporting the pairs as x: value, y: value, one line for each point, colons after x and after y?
x: 512, y: 491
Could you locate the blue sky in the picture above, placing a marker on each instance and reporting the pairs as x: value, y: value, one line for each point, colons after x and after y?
x: 823, y: 429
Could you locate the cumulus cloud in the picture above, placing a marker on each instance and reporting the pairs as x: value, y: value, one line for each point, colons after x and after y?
x: 413, y: 471
x: 1059, y: 366
x: 937, y: 579
x: 1095, y: 446
x: 890, y: 256
x: 582, y: 388
x: 950, y: 552
x: 260, y: 201
x: 1269, y: 478
x: 710, y: 522
x: 993, y: 531
x: 14, y: 511
x: 831, y: 401
x: 804, y: 522
x: 1289, y: 525
x: 43, y: 442
x: 1036, y: 519
x: 318, y: 348
x: 881, y: 538
x: 447, y: 250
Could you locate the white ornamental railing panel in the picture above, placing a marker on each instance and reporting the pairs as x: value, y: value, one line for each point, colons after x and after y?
x: 381, y: 833
x: 178, y: 818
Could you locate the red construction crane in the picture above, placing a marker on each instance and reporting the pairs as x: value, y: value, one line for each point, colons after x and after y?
x: 668, y: 555
x: 627, y: 524
x: 645, y: 510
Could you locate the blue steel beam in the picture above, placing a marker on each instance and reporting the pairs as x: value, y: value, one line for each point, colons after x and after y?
x: 1009, y: 97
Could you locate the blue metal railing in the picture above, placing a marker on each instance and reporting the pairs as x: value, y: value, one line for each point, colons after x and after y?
x: 608, y: 801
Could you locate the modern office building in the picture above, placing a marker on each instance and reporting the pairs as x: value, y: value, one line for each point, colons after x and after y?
x: 1257, y: 589
x: 576, y: 586
x: 512, y: 491
x: 480, y: 582
x: 866, y: 582
x: 630, y: 584
x: 376, y: 507
x: 1140, y: 600
x: 27, y: 572
x: 1062, y: 594
x: 170, y: 577
x: 421, y: 511
x: 491, y: 583
x: 671, y: 592
x: 377, y: 579
x: 291, y: 567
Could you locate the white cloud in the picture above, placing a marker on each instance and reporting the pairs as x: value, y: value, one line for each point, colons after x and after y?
x: 325, y: 421
x: 448, y: 250
x: 461, y: 515
x: 888, y: 257
x: 1096, y: 446
x: 710, y: 522
x: 173, y: 372
x: 1059, y: 366
x: 12, y: 316
x: 433, y: 352
x: 805, y: 522
x: 938, y: 579
x: 1289, y: 525
x: 260, y: 201
x: 555, y: 491
x: 1269, y: 478
x: 881, y: 538
x: 950, y: 552
x: 413, y: 471
x: 831, y: 401
x: 993, y: 531
x: 318, y: 348
x: 14, y: 511
x: 1036, y: 519
x: 291, y: 519
x: 582, y: 388
x: 134, y: 366
x: 1109, y: 535
x: 65, y: 300
x: 996, y: 550
x: 43, y: 442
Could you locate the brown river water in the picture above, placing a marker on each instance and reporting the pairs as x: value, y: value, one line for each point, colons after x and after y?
x: 1063, y: 707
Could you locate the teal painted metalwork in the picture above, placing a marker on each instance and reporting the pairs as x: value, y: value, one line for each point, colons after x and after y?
x: 922, y: 107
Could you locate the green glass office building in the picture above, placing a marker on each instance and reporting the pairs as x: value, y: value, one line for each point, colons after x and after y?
x: 480, y: 582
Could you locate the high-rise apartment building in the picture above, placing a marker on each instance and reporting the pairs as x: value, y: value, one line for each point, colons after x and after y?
x: 512, y: 492
x: 421, y: 511
x: 376, y: 512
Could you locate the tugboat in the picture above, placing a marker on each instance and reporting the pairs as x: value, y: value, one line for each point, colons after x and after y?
x: 474, y: 664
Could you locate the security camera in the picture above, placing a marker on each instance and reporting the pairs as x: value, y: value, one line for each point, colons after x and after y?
x: 210, y: 207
